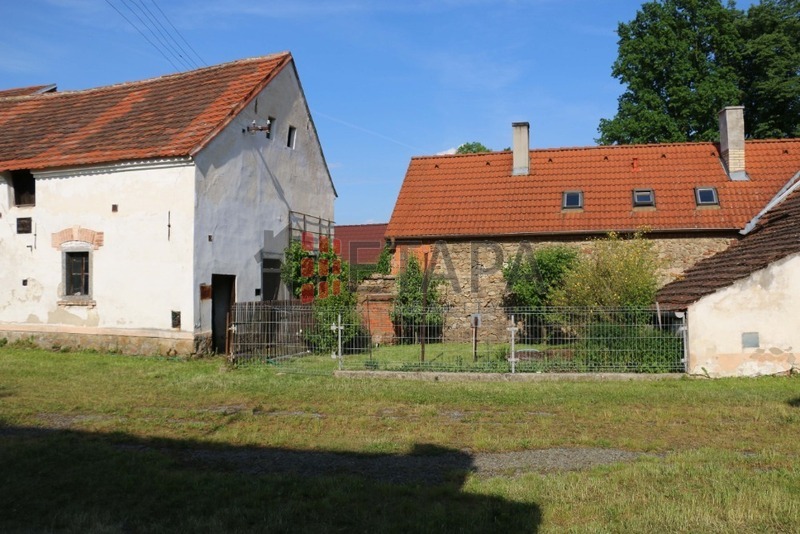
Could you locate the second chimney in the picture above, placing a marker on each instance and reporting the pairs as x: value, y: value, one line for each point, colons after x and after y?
x: 521, y: 148
x: 731, y: 141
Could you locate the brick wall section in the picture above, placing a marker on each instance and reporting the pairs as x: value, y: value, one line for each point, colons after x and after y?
x: 376, y: 297
x: 76, y: 233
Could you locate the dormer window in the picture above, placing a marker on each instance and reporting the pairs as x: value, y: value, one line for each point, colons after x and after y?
x: 706, y: 196
x: 24, y: 186
x: 643, y: 197
x: 572, y: 200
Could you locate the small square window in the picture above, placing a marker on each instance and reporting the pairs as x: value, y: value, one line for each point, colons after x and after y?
x: 572, y: 200
x: 644, y: 197
x: 24, y: 225
x: 706, y: 196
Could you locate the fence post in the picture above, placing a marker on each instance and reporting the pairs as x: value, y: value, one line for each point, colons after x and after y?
x: 513, y: 329
x: 338, y: 327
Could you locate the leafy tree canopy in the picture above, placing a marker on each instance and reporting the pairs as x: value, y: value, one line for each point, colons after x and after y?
x: 618, y: 273
x: 472, y: 148
x: 684, y: 60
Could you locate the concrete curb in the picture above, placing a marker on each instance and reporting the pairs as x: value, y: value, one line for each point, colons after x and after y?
x: 508, y: 377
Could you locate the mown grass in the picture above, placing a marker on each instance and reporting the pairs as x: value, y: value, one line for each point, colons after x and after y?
x: 87, y: 444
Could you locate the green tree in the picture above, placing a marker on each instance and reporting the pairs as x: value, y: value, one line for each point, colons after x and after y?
x: 683, y: 60
x: 472, y: 148
x: 677, y: 59
x: 770, y: 68
x: 408, y: 312
x: 618, y: 273
x: 531, y: 280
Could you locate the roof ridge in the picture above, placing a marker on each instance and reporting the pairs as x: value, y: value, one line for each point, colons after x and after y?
x: 146, y: 81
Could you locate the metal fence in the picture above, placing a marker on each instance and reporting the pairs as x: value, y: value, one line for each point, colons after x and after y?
x: 322, y: 337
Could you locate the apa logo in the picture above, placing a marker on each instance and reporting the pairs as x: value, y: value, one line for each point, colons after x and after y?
x: 323, y: 263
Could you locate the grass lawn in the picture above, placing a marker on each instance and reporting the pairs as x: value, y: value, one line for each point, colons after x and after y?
x: 108, y: 443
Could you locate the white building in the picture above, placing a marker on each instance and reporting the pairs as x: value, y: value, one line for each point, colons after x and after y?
x: 131, y: 216
x: 743, y: 314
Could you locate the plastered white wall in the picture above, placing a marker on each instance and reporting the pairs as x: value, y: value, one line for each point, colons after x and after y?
x: 246, y: 186
x: 766, y: 303
x: 235, y: 190
x: 140, y: 272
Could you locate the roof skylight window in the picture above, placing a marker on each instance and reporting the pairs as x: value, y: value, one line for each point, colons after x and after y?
x: 706, y: 196
x: 572, y: 200
x: 643, y: 197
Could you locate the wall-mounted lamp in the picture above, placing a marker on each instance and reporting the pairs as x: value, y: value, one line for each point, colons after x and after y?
x: 252, y: 128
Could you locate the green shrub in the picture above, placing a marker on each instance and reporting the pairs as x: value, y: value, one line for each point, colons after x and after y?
x: 408, y: 313
x: 321, y: 338
x: 632, y: 347
x: 618, y: 273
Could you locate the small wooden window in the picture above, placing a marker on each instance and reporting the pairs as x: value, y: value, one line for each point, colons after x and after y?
x: 24, y: 186
x: 643, y: 197
x: 77, y: 274
x: 706, y: 196
x: 24, y: 225
x: 572, y: 200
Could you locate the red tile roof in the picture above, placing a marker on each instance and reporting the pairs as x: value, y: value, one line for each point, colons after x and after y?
x: 475, y: 195
x: 170, y: 116
x: 775, y: 236
x: 361, y: 243
x: 26, y: 91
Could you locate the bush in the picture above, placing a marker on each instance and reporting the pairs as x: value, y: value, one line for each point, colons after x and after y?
x: 632, y: 347
x: 321, y: 338
x: 618, y: 273
x: 408, y: 313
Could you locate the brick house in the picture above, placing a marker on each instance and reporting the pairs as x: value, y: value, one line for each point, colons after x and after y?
x: 132, y: 215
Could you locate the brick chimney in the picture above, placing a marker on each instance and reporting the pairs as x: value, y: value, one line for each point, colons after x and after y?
x: 731, y: 141
x: 521, y: 148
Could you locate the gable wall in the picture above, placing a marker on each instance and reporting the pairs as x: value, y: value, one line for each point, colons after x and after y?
x: 766, y: 303
x: 246, y: 186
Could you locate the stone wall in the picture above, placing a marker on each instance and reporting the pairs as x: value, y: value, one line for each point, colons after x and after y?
x: 148, y: 345
x: 472, y: 272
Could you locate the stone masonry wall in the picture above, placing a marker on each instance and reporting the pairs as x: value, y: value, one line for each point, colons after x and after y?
x: 472, y: 273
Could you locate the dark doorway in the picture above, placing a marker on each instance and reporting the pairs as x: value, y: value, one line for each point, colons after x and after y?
x: 270, y: 279
x: 222, y: 298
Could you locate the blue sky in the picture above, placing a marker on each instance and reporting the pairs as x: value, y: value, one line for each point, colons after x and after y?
x: 385, y: 80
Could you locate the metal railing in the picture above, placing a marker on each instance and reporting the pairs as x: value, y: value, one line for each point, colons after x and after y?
x: 322, y: 338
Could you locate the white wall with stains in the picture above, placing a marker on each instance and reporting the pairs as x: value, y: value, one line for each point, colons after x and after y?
x: 751, y: 328
x: 138, y: 264
x: 176, y: 223
x: 247, y: 184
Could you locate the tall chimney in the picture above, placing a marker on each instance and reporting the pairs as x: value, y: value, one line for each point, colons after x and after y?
x: 521, y: 148
x: 731, y: 141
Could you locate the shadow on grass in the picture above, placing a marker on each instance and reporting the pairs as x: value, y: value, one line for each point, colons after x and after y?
x: 80, y: 481
x: 794, y: 403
